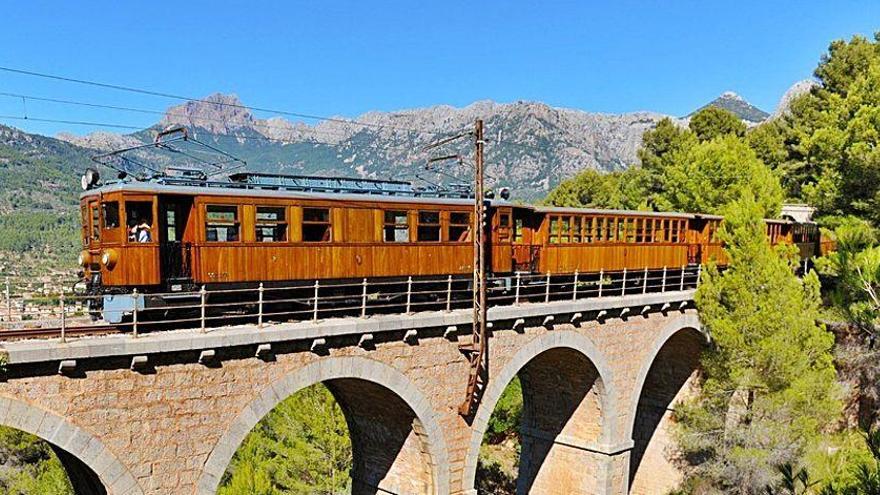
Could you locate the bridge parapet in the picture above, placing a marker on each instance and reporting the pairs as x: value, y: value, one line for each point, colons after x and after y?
x: 408, y: 327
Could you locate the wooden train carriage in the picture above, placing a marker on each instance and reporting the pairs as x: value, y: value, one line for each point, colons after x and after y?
x: 566, y: 240
x: 228, y: 236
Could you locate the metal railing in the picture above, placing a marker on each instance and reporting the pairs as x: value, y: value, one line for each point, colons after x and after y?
x: 66, y: 313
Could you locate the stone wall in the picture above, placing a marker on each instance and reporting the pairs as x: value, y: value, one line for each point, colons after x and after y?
x: 173, y: 427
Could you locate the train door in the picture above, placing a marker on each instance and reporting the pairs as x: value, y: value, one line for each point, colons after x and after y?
x: 526, y: 249
x: 175, y: 243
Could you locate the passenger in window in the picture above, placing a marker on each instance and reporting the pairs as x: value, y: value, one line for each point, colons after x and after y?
x: 132, y: 230
x: 143, y: 232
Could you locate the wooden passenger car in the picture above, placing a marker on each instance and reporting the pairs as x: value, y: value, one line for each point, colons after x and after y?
x: 166, y: 236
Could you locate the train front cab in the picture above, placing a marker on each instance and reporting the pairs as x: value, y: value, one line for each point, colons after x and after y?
x: 134, y: 240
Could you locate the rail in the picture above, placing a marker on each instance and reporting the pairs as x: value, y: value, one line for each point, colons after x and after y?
x: 65, y: 314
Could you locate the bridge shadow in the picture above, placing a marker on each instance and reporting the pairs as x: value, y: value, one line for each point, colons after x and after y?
x: 669, y: 380
x: 389, y: 446
x: 561, y: 411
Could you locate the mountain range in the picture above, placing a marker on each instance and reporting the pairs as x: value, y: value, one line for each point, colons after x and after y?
x: 531, y: 146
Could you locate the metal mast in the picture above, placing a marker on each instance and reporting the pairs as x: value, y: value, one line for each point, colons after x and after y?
x: 478, y: 350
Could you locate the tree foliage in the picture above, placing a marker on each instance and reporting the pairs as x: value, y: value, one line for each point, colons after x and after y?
x: 709, y: 175
x: 830, y: 135
x: 768, y: 388
x: 713, y: 122
x: 29, y: 466
x: 592, y: 189
x: 301, y: 447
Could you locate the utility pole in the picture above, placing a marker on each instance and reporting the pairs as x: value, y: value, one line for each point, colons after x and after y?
x: 478, y: 350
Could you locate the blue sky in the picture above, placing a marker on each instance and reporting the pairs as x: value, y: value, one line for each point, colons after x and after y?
x: 346, y: 58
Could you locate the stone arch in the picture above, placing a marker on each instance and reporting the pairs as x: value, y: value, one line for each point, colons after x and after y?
x: 589, y: 372
x: 380, y: 388
x: 666, y: 376
x: 91, y: 467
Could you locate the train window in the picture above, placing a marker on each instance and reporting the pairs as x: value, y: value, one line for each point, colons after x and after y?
x: 139, y: 220
x: 271, y: 225
x: 576, y: 229
x: 640, y: 229
x: 565, y: 235
x: 660, y: 228
x: 459, y: 226
x: 96, y: 227
x: 599, y: 226
x: 518, y: 230
x: 429, y: 226
x: 84, y: 214
x: 221, y: 223
x: 554, y: 230
x: 316, y: 225
x: 111, y: 214
x: 504, y: 221
x: 396, y: 226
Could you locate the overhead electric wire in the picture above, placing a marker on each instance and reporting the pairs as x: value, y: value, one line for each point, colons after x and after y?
x: 443, y: 141
x: 163, y: 94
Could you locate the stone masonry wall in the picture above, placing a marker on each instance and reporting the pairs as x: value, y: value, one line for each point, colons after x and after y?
x: 172, y: 429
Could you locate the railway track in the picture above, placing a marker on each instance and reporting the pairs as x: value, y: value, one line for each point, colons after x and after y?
x: 55, y: 332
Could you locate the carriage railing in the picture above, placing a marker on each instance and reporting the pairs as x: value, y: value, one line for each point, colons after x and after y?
x: 66, y: 314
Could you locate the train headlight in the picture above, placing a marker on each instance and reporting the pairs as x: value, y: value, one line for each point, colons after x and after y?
x: 109, y: 258
x: 84, y: 259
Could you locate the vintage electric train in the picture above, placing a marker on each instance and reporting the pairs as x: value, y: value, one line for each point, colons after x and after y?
x: 177, y: 234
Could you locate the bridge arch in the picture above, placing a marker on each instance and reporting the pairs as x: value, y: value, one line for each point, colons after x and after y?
x: 666, y: 376
x: 92, y: 468
x: 585, y: 376
x: 364, y: 389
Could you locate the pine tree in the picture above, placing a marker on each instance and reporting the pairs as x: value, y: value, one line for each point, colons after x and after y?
x: 768, y: 388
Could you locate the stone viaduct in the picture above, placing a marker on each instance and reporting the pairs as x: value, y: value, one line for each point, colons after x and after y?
x: 164, y: 413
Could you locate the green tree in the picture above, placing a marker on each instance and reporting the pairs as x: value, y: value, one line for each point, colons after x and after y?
x: 301, y: 447
x: 768, y: 387
x: 713, y: 122
x: 706, y: 177
x: 661, y: 143
x: 593, y: 189
x: 831, y: 133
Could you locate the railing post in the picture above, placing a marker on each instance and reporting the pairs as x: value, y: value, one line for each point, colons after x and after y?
x: 681, y: 284
x: 364, y: 299
x: 134, y: 312
x: 449, y: 294
x: 623, y: 285
x: 663, y: 284
x: 574, y: 289
x: 203, y: 299
x: 645, y: 282
x: 547, y: 289
x: 260, y: 306
x: 8, y: 294
x: 408, y: 294
x: 699, y: 274
x: 601, y: 280
x: 63, y: 319
x: 516, y: 293
x: 315, y: 310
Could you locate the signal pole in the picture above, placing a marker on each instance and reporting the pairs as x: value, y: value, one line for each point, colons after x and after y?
x: 478, y: 350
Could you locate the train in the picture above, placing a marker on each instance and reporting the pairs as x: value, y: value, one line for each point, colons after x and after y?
x: 157, y: 242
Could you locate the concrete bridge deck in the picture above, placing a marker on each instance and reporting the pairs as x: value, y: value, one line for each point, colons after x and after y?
x: 164, y: 412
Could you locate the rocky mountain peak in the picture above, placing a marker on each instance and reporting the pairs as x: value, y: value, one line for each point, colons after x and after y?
x: 218, y: 113
x: 737, y: 105
x: 797, y: 89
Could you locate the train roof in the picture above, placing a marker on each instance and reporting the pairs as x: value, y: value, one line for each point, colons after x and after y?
x: 190, y: 190
x: 597, y: 211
